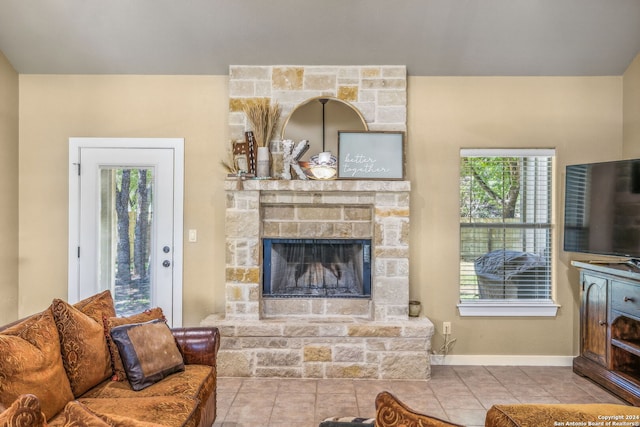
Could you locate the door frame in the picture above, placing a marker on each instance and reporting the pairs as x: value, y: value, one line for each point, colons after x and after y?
x: 177, y: 145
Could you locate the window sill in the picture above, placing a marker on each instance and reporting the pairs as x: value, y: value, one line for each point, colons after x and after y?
x: 508, y: 309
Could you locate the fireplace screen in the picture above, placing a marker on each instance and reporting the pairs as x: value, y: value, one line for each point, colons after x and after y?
x: 325, y: 268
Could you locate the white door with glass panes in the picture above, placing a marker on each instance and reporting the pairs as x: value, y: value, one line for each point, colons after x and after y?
x: 125, y: 222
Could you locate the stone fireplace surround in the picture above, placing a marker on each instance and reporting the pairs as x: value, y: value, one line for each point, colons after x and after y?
x: 378, y: 210
x: 321, y: 337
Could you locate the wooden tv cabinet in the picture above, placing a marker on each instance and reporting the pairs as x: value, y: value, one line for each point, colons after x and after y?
x: 610, y: 327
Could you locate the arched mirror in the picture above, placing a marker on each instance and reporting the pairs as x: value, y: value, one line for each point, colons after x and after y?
x: 318, y: 120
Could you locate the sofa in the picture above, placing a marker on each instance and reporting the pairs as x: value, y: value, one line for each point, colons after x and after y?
x: 391, y: 412
x: 543, y: 415
x: 81, y: 365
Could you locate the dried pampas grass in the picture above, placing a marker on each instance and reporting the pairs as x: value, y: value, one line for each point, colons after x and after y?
x: 229, y: 164
x: 263, y: 117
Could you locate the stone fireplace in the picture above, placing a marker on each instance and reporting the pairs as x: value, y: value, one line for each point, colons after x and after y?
x: 340, y: 209
x: 330, y: 334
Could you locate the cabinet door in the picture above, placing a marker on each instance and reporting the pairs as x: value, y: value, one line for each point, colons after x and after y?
x: 594, y: 318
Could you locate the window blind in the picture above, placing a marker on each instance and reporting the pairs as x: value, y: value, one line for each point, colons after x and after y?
x: 505, y: 224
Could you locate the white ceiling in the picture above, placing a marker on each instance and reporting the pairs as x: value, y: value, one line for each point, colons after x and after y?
x: 430, y: 37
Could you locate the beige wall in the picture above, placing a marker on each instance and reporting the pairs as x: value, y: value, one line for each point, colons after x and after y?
x: 631, y: 102
x: 54, y: 108
x: 581, y: 117
x: 8, y: 191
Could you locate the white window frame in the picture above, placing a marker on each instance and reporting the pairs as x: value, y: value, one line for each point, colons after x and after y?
x: 514, y: 308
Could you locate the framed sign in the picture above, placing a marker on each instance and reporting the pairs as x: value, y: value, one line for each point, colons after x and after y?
x: 370, y: 155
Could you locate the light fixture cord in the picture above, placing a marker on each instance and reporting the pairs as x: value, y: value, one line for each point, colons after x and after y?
x: 323, y: 101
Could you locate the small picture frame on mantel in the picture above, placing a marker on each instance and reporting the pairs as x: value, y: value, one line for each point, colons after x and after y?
x: 371, y: 155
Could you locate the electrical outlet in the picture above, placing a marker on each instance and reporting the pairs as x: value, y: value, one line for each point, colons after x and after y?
x: 446, y: 328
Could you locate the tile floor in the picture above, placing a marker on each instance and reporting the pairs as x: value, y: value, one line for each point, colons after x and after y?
x: 461, y: 394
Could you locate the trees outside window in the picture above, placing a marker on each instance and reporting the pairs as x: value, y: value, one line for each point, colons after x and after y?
x: 133, y: 207
x: 505, y: 225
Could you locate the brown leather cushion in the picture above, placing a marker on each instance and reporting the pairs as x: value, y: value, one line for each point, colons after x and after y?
x: 24, y: 412
x: 31, y: 364
x: 85, y: 353
x: 148, y: 351
x: 119, y: 373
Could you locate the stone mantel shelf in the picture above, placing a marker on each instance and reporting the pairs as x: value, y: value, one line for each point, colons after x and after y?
x: 316, y: 185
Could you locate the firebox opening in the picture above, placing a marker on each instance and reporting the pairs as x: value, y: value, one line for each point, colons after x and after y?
x: 323, y: 268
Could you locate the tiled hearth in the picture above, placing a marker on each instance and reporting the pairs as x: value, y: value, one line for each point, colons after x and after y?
x: 320, y: 337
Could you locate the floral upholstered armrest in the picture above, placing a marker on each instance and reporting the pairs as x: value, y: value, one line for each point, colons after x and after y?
x: 390, y: 412
x: 528, y: 414
x: 25, y: 411
x: 198, y: 345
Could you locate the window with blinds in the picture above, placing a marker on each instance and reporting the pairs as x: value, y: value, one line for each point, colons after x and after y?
x: 505, y: 225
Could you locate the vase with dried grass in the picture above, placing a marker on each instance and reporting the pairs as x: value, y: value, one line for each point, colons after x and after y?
x: 263, y: 117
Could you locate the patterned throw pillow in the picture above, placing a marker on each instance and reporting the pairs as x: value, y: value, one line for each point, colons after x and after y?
x: 23, y: 412
x: 149, y: 352
x: 85, y: 353
x: 119, y: 374
x: 31, y: 364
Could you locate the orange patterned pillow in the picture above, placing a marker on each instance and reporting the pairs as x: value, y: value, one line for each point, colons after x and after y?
x: 119, y: 373
x: 31, y: 364
x: 95, y: 305
x: 23, y: 412
x: 85, y: 353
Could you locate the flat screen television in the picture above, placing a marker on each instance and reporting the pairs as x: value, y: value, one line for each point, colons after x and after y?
x: 602, y: 208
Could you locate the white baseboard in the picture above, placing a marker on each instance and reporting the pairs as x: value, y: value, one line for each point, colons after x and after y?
x: 501, y: 360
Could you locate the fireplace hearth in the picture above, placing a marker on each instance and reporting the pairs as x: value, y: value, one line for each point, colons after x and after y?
x: 316, y: 268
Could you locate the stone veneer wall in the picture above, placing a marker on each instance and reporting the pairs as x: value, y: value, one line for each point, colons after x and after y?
x: 378, y: 92
x: 320, y: 337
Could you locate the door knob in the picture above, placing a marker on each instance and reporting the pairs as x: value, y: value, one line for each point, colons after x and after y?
x: 166, y: 263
